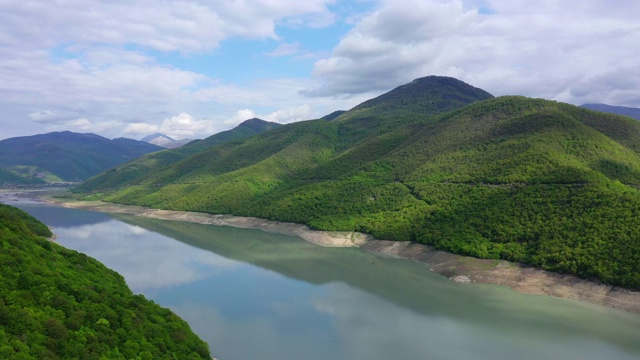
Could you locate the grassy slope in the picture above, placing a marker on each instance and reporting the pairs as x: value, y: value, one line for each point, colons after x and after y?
x: 11, y: 177
x: 527, y: 180
x: 59, y: 304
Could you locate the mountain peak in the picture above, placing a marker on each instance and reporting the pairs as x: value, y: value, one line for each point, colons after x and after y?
x: 157, y: 136
x: 257, y: 124
x: 159, y: 139
x: 427, y: 95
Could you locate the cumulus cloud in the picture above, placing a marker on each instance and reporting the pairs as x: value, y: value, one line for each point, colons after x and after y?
x: 141, y: 129
x: 575, y: 51
x: 41, y: 116
x: 114, y: 63
x: 290, y: 115
x: 178, y: 127
x: 240, y: 116
x: 99, y: 59
x: 167, y: 26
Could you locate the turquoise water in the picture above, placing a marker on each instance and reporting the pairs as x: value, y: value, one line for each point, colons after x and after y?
x: 257, y: 295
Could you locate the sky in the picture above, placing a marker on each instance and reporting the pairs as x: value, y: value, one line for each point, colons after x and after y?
x: 189, y: 69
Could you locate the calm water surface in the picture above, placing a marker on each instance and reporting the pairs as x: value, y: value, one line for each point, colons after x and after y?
x: 257, y: 295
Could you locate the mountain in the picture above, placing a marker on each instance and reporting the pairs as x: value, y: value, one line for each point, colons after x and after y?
x: 56, y: 303
x: 142, y: 168
x: 333, y: 115
x: 435, y: 161
x: 165, y: 141
x: 430, y: 95
x: 620, y: 110
x: 67, y: 156
x: 158, y: 139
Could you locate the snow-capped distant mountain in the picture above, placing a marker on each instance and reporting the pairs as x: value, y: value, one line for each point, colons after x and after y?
x: 158, y: 139
x: 165, y: 141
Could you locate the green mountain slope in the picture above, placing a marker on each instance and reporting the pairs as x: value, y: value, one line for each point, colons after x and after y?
x: 59, y: 304
x: 527, y: 180
x: 145, y: 167
x: 69, y: 156
x: 428, y: 95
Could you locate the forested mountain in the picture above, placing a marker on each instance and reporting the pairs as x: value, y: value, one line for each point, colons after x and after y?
x: 245, y: 130
x: 528, y: 180
x: 67, y: 156
x: 620, y: 110
x: 57, y: 303
x: 143, y: 168
x: 333, y: 115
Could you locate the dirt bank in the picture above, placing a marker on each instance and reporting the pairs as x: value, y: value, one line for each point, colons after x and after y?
x: 458, y: 268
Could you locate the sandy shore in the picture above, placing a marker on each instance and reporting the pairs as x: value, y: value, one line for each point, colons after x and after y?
x: 458, y: 268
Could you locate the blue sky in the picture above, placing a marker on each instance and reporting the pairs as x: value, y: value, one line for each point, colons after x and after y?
x: 191, y: 68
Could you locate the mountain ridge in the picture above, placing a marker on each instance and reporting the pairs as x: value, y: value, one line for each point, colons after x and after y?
x: 506, y: 177
x: 620, y: 110
x: 68, y: 156
x: 138, y: 169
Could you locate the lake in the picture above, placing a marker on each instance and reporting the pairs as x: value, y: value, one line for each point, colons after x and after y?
x: 257, y: 295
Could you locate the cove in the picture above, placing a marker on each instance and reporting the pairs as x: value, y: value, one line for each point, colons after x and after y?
x: 257, y: 295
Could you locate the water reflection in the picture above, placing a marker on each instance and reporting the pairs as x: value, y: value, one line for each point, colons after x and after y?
x: 147, y: 262
x: 256, y: 295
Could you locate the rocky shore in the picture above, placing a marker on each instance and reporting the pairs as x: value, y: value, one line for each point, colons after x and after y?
x: 458, y: 268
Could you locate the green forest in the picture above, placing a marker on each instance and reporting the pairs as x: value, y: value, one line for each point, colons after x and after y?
x: 435, y: 161
x: 57, y: 303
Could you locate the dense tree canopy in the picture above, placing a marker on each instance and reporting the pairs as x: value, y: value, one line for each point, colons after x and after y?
x: 528, y: 180
x: 57, y: 303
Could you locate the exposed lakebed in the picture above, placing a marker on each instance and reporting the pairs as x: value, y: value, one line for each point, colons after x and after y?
x: 258, y: 295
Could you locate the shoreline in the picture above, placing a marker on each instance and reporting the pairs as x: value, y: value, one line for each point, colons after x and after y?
x: 458, y: 268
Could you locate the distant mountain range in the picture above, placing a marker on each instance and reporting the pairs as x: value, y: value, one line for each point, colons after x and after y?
x: 64, y: 156
x: 435, y: 161
x: 620, y: 110
x: 165, y: 141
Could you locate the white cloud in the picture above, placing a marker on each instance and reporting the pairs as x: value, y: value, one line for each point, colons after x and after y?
x: 290, y: 115
x: 41, y: 116
x: 240, y: 116
x: 185, y: 126
x: 189, y: 26
x: 180, y: 126
x: 285, y: 49
x: 141, y: 129
x: 114, y: 63
x: 575, y: 51
x: 92, y: 59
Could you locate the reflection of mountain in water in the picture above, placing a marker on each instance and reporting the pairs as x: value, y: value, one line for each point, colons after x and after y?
x: 62, y: 217
x: 405, y: 283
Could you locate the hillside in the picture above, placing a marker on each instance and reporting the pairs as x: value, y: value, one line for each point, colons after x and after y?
x: 59, y: 304
x: 527, y: 180
x: 67, y: 156
x: 620, y: 110
x: 430, y: 95
x: 145, y: 167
